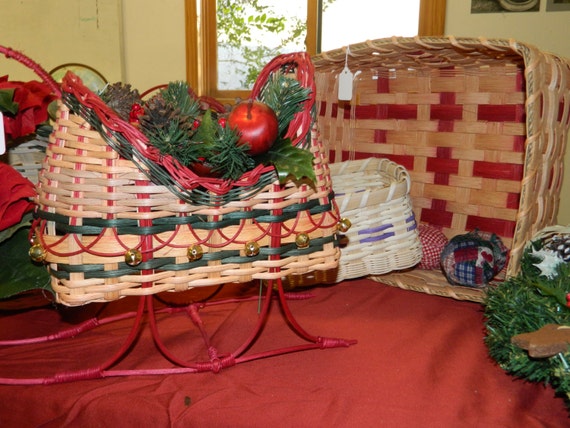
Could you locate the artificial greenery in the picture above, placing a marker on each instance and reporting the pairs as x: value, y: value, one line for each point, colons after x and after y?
x: 19, y: 274
x: 524, y: 304
x: 179, y: 125
x: 230, y: 159
x: 285, y: 96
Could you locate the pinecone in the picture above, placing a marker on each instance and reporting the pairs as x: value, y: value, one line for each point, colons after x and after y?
x: 159, y: 115
x: 559, y: 243
x: 121, y: 97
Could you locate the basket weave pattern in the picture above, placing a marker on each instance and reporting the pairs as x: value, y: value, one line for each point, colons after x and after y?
x: 373, y: 194
x: 481, y: 125
x: 95, y: 204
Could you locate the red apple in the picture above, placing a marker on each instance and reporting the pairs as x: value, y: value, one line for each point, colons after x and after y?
x: 256, y: 124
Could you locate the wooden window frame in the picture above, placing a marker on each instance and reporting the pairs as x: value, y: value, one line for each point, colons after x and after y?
x: 201, y: 41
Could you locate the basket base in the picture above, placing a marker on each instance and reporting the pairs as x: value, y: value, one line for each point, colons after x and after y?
x: 430, y: 282
x: 217, y: 361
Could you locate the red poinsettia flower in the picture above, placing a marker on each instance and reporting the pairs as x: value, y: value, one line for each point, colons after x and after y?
x: 33, y: 99
x: 16, y: 192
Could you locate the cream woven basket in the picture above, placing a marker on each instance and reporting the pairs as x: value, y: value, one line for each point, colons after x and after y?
x: 373, y: 194
x: 481, y: 125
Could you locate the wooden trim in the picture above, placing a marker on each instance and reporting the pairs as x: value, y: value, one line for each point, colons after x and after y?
x: 312, y: 26
x: 432, y: 18
x: 201, y: 41
x: 191, y: 31
x: 209, y: 49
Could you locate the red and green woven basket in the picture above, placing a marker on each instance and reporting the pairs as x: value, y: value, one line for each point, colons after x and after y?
x: 116, y: 218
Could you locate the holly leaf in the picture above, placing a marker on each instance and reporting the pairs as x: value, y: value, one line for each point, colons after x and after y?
x: 19, y: 273
x: 7, y: 104
x: 289, y: 161
x: 552, y: 290
x: 206, y: 132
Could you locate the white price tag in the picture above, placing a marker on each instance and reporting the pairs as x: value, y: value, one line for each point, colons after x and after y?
x: 2, y: 136
x: 345, y: 79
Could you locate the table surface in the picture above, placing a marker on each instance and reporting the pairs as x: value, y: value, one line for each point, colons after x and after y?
x: 419, y: 359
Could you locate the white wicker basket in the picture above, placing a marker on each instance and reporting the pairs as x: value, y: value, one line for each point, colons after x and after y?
x: 27, y: 157
x: 373, y: 194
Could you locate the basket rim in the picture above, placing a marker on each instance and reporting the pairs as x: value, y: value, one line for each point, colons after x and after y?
x: 391, y: 182
x: 384, y: 47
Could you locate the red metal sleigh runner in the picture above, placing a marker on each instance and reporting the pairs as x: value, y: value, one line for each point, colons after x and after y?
x: 216, y: 360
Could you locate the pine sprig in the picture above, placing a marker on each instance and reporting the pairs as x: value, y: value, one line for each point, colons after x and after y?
x: 230, y: 159
x: 169, y: 139
x: 285, y: 96
x: 178, y: 95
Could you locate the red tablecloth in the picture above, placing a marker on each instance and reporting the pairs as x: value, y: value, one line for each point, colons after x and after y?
x: 420, y: 361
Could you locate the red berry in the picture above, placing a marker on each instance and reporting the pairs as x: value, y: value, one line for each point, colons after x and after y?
x: 136, y: 111
x: 256, y: 124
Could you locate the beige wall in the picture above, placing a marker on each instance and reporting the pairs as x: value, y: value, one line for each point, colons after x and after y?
x: 550, y: 31
x: 148, y: 34
x: 55, y: 32
x: 154, y: 42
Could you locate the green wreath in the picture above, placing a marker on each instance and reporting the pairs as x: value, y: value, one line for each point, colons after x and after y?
x: 528, y: 316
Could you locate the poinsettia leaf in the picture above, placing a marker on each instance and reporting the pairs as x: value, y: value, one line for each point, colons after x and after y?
x: 19, y: 273
x: 7, y: 104
x: 7, y: 233
x: 289, y: 161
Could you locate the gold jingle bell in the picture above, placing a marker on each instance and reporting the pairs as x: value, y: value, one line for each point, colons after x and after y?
x: 302, y: 240
x: 344, y: 224
x: 194, y: 253
x: 251, y: 248
x: 37, y: 253
x: 133, y: 257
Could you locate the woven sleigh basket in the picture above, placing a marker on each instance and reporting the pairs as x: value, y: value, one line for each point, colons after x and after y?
x: 374, y: 195
x: 105, y: 197
x: 481, y: 125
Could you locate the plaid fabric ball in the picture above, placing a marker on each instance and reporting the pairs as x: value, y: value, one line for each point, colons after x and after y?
x: 473, y: 259
x: 433, y: 242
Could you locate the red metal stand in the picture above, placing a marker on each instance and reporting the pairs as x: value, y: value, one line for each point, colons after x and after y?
x: 216, y: 360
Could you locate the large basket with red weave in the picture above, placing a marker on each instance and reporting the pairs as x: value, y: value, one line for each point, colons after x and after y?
x: 481, y: 126
x: 116, y: 218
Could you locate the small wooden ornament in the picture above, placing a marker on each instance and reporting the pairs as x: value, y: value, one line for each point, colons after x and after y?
x: 544, y: 342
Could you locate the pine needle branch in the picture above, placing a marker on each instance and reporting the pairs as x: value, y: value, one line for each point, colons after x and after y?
x: 178, y: 95
x: 285, y: 96
x: 230, y: 159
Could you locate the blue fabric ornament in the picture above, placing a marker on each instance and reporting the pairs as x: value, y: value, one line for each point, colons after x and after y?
x: 473, y: 259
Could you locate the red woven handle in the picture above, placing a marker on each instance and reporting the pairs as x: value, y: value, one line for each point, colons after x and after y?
x: 34, y: 66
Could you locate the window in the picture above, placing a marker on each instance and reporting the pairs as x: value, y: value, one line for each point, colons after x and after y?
x: 223, y: 63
